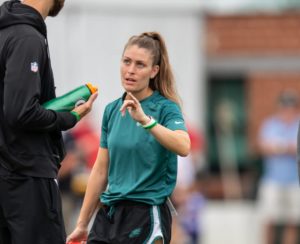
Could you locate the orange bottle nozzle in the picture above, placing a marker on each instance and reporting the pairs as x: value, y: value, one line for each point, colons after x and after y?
x: 92, y: 88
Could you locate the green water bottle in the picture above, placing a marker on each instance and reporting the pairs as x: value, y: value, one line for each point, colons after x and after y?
x: 72, y: 99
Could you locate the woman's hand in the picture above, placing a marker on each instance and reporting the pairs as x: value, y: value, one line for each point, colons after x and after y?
x: 176, y: 141
x: 134, y: 109
x: 79, y: 235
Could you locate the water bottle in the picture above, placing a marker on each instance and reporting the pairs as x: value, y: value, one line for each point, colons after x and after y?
x: 72, y: 99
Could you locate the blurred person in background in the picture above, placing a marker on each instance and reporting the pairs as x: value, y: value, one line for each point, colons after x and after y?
x: 31, y: 146
x: 190, y: 203
x: 87, y: 140
x: 135, y: 171
x: 191, y: 211
x: 65, y: 174
x: 188, y: 197
x: 190, y: 165
x: 81, y: 145
x: 278, y: 195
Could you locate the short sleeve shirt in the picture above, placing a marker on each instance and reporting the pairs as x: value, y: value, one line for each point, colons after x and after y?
x: 280, y: 169
x: 140, y: 168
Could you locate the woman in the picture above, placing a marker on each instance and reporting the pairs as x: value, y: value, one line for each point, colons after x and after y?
x: 135, y: 170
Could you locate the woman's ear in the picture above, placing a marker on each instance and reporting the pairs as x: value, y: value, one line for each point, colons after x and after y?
x: 154, y: 71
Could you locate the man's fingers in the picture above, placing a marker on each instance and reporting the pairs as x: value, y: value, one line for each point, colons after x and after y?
x: 90, y: 102
x: 93, y: 97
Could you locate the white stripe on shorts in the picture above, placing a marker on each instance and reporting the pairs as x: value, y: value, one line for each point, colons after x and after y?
x: 156, y: 231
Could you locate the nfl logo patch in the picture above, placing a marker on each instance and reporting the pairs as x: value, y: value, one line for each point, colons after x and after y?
x: 34, y: 67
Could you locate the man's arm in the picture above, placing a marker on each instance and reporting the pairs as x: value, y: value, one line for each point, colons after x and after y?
x: 22, y: 89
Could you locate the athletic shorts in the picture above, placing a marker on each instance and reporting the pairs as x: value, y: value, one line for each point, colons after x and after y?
x: 30, y: 211
x: 279, y: 204
x: 129, y: 222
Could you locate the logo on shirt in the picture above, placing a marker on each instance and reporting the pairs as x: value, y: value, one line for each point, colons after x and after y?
x: 178, y: 122
x: 34, y: 67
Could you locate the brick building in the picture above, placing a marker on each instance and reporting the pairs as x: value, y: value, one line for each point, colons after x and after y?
x: 250, y: 59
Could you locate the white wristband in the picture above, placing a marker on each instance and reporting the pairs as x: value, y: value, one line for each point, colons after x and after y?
x: 150, y: 124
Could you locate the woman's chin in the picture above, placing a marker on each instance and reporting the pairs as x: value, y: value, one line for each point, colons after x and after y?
x: 129, y: 88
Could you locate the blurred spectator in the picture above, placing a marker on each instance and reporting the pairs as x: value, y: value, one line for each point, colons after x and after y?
x: 278, y: 195
x: 87, y: 140
x: 226, y: 126
x: 82, y: 143
x: 87, y: 144
x: 190, y: 165
x: 187, y: 196
x: 68, y: 165
x: 191, y: 210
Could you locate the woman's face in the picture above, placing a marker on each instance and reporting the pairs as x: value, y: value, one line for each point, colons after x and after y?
x: 137, y: 70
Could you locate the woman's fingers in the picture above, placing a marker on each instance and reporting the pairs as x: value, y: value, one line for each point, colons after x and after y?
x: 127, y: 104
x: 133, y: 98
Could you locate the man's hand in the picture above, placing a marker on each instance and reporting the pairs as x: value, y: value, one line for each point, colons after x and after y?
x: 85, y: 108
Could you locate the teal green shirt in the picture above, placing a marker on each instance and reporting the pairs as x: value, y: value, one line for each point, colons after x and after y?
x: 140, y: 168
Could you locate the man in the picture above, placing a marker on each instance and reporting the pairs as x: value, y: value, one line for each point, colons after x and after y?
x: 278, y: 195
x: 31, y: 147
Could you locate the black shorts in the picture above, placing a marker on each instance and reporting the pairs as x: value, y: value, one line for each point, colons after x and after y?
x: 131, y: 222
x: 30, y: 211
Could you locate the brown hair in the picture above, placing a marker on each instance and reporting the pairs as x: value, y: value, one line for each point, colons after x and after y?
x: 164, y: 81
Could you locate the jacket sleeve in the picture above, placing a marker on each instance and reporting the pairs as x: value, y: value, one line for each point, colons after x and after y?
x: 26, y: 58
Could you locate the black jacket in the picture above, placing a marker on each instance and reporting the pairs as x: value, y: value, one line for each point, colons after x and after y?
x: 30, y: 136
